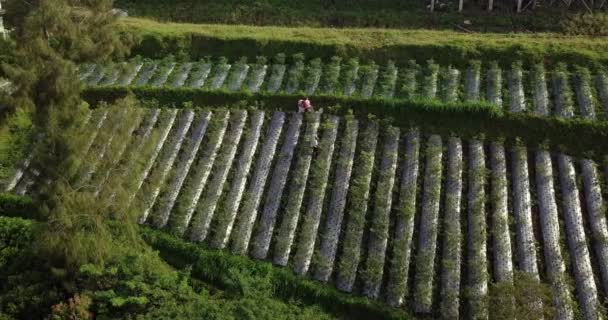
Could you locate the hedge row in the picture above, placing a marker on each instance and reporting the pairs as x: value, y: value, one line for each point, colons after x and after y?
x: 447, y: 48
x: 577, y: 137
x: 215, y: 267
x: 17, y: 206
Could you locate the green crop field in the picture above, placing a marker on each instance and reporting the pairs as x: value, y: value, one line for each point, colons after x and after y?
x: 152, y: 168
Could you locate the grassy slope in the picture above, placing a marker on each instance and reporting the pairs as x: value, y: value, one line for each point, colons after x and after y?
x: 447, y: 47
x: 344, y: 13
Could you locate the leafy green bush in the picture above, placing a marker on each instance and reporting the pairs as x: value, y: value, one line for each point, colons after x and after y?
x: 139, y: 284
x: 75, y: 308
x: 17, y: 206
x: 15, y: 138
x: 15, y: 235
x: 586, y: 24
x: 245, y: 278
x: 524, y: 298
x: 134, y: 285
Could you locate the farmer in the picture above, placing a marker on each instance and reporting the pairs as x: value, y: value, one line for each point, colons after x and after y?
x: 304, y: 105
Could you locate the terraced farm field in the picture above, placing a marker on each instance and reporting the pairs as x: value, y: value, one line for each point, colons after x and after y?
x: 420, y: 221
x: 561, y: 91
x: 161, y: 170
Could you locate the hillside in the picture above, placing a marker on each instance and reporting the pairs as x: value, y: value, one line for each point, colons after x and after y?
x: 154, y: 168
x: 362, y: 212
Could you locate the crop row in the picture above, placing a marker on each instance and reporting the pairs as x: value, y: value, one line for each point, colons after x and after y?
x: 561, y: 92
x: 420, y: 221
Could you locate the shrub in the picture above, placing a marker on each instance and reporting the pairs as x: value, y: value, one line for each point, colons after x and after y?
x: 17, y: 206
x: 586, y: 24
x: 15, y: 139
x: 76, y: 308
x: 15, y: 235
x: 525, y: 298
x: 247, y: 278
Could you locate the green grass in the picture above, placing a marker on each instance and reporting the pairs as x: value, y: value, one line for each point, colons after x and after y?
x: 218, y: 268
x: 343, y: 13
x: 445, y: 47
x: 191, y: 283
x: 137, y: 285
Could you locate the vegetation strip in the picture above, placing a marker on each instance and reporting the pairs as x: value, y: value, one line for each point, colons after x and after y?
x: 317, y: 190
x: 573, y: 217
x: 427, y: 240
x: 146, y: 73
x: 257, y: 75
x: 503, y: 259
x: 357, y: 208
x: 477, y: 273
x: 404, y: 222
x: 98, y: 119
x: 198, y: 75
x: 550, y: 226
x: 337, y: 203
x: 295, y: 196
x: 143, y: 119
x: 181, y: 75
x: 237, y: 76
x: 522, y: 210
x: 92, y: 162
x: 24, y: 166
x: 452, y: 239
x: 190, y: 196
x: 183, y: 168
x: 274, y: 195
x: 601, y: 82
x: 138, y: 145
x: 597, y: 219
x: 206, y: 208
x: 235, y: 195
x: 251, y: 202
x: 379, y: 228
x: 102, y: 142
x: 111, y: 153
x: 584, y: 95
x: 157, y: 178
x: 540, y: 100
x: 564, y: 106
x: 165, y: 129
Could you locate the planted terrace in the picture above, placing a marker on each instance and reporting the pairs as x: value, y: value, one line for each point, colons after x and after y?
x: 421, y: 221
x: 563, y: 91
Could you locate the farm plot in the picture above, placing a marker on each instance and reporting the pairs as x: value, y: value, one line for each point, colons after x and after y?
x: 563, y: 91
x: 415, y: 219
